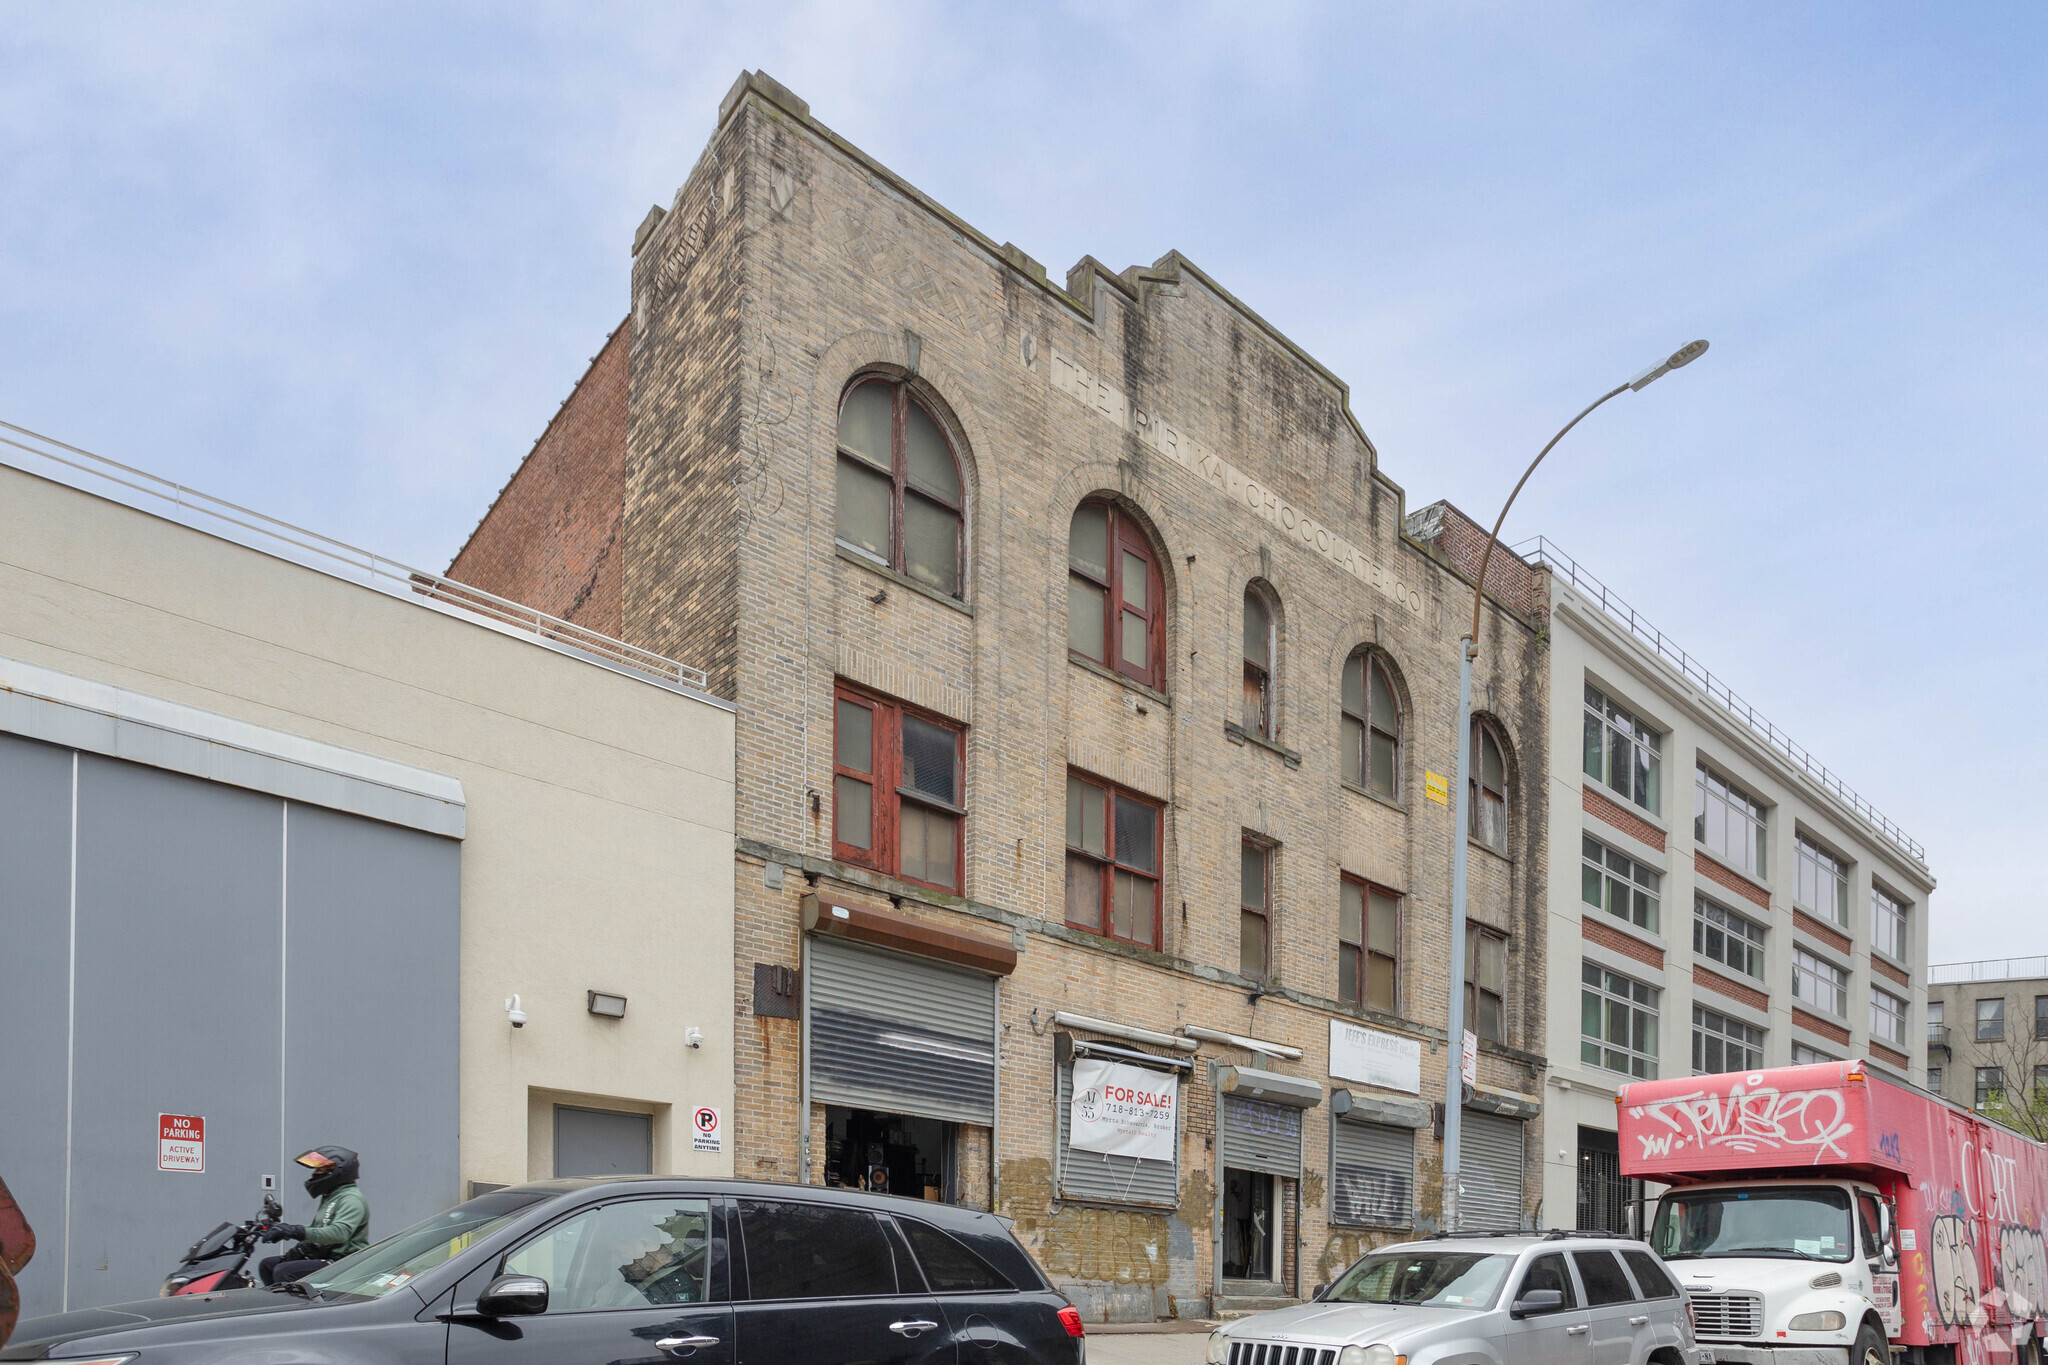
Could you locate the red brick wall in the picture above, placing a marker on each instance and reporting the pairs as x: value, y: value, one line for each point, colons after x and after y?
x: 1826, y: 933
x: 1628, y: 945
x: 1883, y: 968
x: 1509, y: 578
x: 550, y: 539
x: 1885, y: 1054
x: 1734, y: 990
x: 1733, y: 881
x: 1620, y: 817
x: 1813, y: 1023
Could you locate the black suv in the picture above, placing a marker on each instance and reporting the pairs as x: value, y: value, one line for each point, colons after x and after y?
x: 710, y: 1272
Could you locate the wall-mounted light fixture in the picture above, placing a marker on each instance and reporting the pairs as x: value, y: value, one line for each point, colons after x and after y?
x: 610, y: 1006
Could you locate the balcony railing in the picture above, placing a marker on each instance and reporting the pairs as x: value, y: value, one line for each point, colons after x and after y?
x: 318, y: 552
x: 1989, y: 969
x: 1541, y: 551
x: 1937, y: 1037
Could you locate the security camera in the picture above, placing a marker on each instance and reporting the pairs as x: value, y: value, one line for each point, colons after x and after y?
x: 514, y: 1013
x: 693, y: 1037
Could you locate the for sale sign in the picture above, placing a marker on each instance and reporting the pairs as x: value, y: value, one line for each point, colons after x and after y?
x: 180, y: 1142
x: 1124, y: 1110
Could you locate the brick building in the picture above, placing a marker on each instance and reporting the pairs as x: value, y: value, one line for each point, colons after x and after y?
x: 1092, y: 705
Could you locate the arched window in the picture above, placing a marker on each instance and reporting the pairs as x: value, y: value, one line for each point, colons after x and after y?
x: 899, y: 485
x: 1489, y: 787
x: 1115, y: 598
x: 1258, y: 663
x: 1372, y: 725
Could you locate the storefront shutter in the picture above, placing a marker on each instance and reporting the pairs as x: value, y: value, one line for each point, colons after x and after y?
x: 1262, y: 1137
x: 1103, y: 1177
x: 900, y: 1034
x: 1490, y: 1151
x: 1373, y: 1174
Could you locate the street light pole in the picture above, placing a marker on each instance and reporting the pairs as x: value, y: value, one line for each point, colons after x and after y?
x: 1468, y: 649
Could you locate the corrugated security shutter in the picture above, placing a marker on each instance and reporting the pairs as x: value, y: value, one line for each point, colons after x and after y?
x: 1373, y: 1174
x: 1106, y: 1177
x: 1262, y: 1137
x: 1491, y: 1155
x: 895, y: 1033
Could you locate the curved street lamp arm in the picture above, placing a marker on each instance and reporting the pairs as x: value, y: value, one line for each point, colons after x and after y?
x: 1479, y: 589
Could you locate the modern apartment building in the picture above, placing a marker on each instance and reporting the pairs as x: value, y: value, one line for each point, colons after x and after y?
x: 1094, y: 712
x: 1719, y: 900
x: 1987, y: 1039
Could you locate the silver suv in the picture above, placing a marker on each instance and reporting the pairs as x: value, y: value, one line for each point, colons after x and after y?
x: 1557, y: 1298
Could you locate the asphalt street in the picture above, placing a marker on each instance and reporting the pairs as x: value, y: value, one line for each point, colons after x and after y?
x: 1147, y: 1348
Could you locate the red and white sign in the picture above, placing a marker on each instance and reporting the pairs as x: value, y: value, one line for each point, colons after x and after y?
x: 708, y: 1127
x: 180, y: 1142
x: 1122, y: 1110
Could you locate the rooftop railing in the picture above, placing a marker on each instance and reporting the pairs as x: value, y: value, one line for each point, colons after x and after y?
x: 326, y: 555
x: 1989, y: 969
x: 1541, y: 550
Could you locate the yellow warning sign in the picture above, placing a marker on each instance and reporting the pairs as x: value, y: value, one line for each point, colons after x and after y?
x: 1436, y: 788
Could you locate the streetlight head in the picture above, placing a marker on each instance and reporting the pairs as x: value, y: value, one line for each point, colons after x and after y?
x: 1684, y: 355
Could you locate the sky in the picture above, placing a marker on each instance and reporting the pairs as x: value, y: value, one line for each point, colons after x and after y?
x: 341, y: 263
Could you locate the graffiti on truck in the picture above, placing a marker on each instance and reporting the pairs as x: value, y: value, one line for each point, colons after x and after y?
x: 1751, y: 1117
x: 2022, y: 1270
x: 1958, y: 1292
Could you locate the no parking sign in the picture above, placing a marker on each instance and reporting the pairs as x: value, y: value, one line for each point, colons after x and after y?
x: 180, y: 1142
x: 708, y: 1130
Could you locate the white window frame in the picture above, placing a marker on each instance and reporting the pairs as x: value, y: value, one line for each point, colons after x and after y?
x: 1732, y: 1034
x: 1640, y: 1000
x: 1710, y: 917
x: 1725, y: 814
x: 1887, y: 923
x: 1888, y: 1017
x: 1615, y: 725
x: 1613, y: 868
x: 1819, y: 972
x: 1821, y: 884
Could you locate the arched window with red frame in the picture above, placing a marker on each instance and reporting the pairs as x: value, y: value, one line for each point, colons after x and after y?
x: 900, y: 497
x: 1116, y: 598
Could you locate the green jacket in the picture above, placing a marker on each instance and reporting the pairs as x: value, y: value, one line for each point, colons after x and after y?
x: 341, y: 1225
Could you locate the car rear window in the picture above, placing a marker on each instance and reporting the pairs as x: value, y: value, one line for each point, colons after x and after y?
x: 814, y: 1251
x: 1650, y: 1276
x: 949, y: 1267
x: 1603, y: 1278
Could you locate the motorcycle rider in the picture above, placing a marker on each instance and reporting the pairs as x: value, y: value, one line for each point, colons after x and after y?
x: 340, y: 1226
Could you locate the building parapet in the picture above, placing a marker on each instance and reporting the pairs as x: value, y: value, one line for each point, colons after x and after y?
x: 325, y: 555
x: 1989, y: 969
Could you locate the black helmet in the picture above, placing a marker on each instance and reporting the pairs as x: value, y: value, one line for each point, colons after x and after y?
x: 332, y: 1167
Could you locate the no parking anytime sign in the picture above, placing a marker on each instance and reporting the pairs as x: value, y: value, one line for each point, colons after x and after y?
x: 707, y: 1130
x: 180, y: 1142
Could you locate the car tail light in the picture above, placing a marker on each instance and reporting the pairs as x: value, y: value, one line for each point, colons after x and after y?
x: 1070, y: 1318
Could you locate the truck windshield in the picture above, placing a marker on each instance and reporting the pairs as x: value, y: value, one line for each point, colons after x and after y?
x: 1433, y: 1279
x: 1802, y: 1223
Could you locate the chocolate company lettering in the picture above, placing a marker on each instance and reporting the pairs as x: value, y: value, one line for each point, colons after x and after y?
x: 1233, y: 483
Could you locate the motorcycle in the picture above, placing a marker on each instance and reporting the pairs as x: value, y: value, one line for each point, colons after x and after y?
x: 220, y: 1259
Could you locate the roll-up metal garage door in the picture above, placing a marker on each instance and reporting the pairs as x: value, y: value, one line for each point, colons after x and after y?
x: 1262, y: 1137
x: 1491, y: 1152
x: 900, y: 1034
x: 1373, y: 1174
x: 1106, y: 1177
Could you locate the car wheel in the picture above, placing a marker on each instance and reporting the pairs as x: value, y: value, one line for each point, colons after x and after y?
x: 1870, y: 1348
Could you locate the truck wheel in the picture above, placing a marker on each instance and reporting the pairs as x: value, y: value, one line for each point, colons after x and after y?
x: 1870, y: 1348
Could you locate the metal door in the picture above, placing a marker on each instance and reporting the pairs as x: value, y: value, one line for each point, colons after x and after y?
x: 1372, y: 1174
x: 602, y: 1142
x: 1490, y: 1178
x: 1262, y: 1137
x: 900, y: 1034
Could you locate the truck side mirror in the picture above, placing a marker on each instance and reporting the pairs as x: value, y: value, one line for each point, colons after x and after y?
x: 1888, y: 1234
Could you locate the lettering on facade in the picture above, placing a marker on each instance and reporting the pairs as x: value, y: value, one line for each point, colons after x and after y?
x: 1108, y: 403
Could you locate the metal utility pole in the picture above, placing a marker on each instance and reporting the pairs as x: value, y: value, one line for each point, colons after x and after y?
x: 1468, y: 649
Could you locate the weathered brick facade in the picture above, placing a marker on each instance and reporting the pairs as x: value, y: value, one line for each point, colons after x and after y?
x: 789, y: 265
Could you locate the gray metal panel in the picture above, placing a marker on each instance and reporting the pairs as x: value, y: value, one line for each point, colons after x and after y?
x: 35, y: 956
x: 178, y: 963
x: 1261, y: 1137
x: 1490, y: 1151
x: 1104, y: 1177
x: 602, y: 1142
x: 900, y: 1034
x: 1372, y: 1175
x: 373, y: 935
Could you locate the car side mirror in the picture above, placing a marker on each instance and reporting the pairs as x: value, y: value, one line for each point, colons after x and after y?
x: 514, y: 1296
x: 1317, y: 1296
x: 1538, y: 1301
